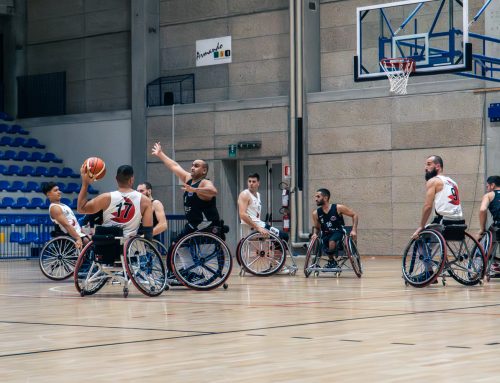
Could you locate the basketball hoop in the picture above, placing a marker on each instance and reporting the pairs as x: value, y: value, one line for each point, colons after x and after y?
x: 398, y: 70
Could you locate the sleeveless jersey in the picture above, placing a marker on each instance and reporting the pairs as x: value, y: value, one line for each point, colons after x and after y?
x: 447, y: 201
x: 198, y: 210
x: 330, y: 221
x: 494, y: 206
x: 70, y: 217
x: 124, y: 211
x: 254, y: 208
x: 155, y: 220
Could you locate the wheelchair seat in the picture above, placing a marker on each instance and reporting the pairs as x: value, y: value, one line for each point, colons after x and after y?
x: 107, y: 247
x: 454, y: 230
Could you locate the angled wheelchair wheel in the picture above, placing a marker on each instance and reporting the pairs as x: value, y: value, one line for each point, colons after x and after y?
x: 466, y: 260
x: 353, y: 254
x: 423, y: 258
x: 58, y: 258
x: 238, y: 251
x: 88, y: 276
x: 262, y: 255
x: 145, y: 266
x: 201, y: 261
x: 313, y: 257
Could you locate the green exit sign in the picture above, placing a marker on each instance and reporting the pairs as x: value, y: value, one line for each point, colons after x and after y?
x: 232, y: 150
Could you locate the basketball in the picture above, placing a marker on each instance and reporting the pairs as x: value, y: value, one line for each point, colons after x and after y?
x: 95, y: 167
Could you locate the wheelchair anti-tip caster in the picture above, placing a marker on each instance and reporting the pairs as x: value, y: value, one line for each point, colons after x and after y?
x: 225, y: 285
x: 125, y: 292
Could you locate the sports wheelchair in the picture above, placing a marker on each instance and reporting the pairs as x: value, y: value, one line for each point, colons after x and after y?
x: 111, y: 258
x: 489, y: 242
x: 444, y: 249
x: 58, y: 256
x: 201, y: 260
x: 317, y: 259
x: 262, y: 255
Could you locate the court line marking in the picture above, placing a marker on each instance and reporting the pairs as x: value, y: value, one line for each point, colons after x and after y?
x: 248, y: 330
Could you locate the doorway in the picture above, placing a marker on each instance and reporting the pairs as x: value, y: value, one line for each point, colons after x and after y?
x: 270, y: 192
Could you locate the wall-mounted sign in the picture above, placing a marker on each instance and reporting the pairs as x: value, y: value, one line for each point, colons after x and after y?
x: 213, y: 51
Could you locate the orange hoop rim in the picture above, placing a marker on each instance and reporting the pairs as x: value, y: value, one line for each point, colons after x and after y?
x: 400, y: 63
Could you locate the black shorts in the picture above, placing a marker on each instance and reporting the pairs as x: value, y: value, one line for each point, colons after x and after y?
x: 335, y: 235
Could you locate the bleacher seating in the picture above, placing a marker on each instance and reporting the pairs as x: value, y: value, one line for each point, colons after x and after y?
x: 15, y: 186
x: 51, y: 157
x: 54, y: 171
x: 5, y: 141
x: 3, y: 168
x: 17, y: 142
x: 4, y: 128
x: 33, y: 143
x: 4, y: 185
x: 15, y: 236
x: 12, y: 170
x: 27, y: 170
x: 28, y: 238
x: 8, y: 155
x: 31, y: 186
x: 17, y: 129
x: 36, y: 203
x: 40, y: 171
x: 35, y: 156
x: 22, y: 155
x: 6, y: 116
x: 22, y: 202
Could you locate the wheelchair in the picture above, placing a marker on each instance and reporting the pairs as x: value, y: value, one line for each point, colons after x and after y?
x: 347, y: 251
x: 489, y: 242
x: 201, y: 260
x: 444, y: 249
x: 111, y: 258
x: 58, y: 256
x: 263, y: 256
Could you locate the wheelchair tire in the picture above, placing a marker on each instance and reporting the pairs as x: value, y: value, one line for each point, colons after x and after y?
x: 201, y: 261
x: 313, y: 256
x: 58, y: 258
x: 238, y: 247
x: 262, y: 256
x: 88, y: 277
x: 353, y: 254
x: 424, y: 258
x: 144, y: 266
x: 468, y: 265
x: 487, y: 244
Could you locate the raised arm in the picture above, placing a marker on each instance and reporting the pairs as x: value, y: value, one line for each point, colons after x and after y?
x: 344, y: 210
x: 101, y: 202
x: 173, y: 166
x: 206, y: 190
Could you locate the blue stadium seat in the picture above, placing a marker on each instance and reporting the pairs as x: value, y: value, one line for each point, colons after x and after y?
x: 34, y: 220
x: 35, y: 156
x: 4, y: 185
x: 27, y: 170
x: 74, y: 204
x: 8, y: 155
x: 21, y: 220
x: 68, y: 172
x: 91, y: 190
x: 6, y: 220
x: 46, y: 204
x: 31, y: 186
x: 6, y: 116
x: 15, y: 236
x: 22, y: 155
x: 66, y: 201
x: 12, y: 170
x: 51, y: 157
x: 40, y: 171
x: 28, y: 238
x: 72, y: 187
x: 5, y: 141
x: 17, y: 129
x: 6, y: 202
x: 3, y: 169
x: 62, y: 187
x: 4, y: 128
x: 45, y: 220
x: 53, y: 172
x: 33, y: 143
x: 16, y: 186
x: 42, y: 238
x: 17, y: 142
x: 21, y: 202
x: 36, y: 202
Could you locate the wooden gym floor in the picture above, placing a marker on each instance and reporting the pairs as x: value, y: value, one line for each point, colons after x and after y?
x: 276, y: 329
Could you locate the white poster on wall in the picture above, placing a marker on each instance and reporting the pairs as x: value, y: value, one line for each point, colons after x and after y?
x: 213, y: 51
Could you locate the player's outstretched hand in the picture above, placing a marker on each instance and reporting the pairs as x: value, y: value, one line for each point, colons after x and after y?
x: 156, y: 149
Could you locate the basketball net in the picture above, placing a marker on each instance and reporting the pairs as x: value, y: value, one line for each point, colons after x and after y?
x: 398, y: 71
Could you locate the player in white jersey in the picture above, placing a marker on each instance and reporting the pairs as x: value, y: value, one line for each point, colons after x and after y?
x: 124, y: 208
x: 62, y: 215
x: 442, y: 194
x: 249, y: 207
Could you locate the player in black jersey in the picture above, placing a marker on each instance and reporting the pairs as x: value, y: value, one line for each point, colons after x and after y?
x: 199, y: 194
x: 328, y: 219
x: 491, y: 202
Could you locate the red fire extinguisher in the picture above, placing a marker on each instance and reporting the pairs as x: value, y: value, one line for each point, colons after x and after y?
x: 286, y: 222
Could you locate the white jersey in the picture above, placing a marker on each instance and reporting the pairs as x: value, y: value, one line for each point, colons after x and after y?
x: 447, y: 201
x: 124, y: 211
x: 70, y: 218
x: 253, y: 211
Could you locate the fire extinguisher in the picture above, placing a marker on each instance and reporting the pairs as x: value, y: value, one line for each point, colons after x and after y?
x: 286, y: 222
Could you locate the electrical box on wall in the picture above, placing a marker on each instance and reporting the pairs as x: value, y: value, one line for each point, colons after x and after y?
x: 494, y: 112
x: 249, y: 145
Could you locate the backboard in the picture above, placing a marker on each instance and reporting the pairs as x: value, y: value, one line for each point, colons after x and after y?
x: 435, y: 33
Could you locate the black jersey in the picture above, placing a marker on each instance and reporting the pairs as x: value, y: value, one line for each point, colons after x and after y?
x: 494, y: 206
x: 197, y: 210
x: 330, y: 221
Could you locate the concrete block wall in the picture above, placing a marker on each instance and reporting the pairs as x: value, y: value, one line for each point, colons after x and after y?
x: 88, y: 39
x: 260, y: 46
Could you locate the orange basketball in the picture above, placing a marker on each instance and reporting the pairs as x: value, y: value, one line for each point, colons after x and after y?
x: 95, y: 167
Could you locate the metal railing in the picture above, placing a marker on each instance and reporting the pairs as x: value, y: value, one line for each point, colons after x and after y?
x: 23, y: 235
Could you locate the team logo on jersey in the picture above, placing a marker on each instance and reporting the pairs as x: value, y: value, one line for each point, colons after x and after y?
x: 125, y: 211
x: 454, y: 197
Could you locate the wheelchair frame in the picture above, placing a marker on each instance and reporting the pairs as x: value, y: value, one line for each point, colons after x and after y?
x: 58, y: 257
x: 430, y: 257
x: 206, y: 264
x: 140, y: 264
x: 262, y: 247
x: 490, y: 242
x: 315, y: 254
